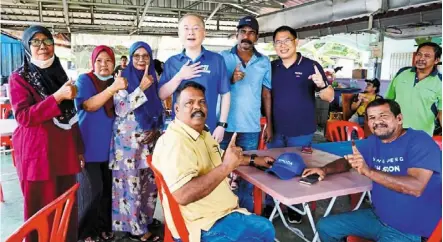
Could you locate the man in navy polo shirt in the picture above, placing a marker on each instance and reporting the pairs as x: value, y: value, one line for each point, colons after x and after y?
x: 250, y: 74
x: 405, y: 168
x: 205, y: 67
x: 295, y: 79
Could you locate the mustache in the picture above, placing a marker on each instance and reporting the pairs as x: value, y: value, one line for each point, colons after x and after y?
x: 376, y: 126
x: 246, y: 41
x: 202, y: 114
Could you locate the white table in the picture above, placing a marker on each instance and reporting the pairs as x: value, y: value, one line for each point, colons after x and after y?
x: 7, y: 126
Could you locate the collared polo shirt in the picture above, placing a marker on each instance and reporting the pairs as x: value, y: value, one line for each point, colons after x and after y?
x: 182, y: 154
x: 244, y: 115
x: 214, y: 78
x: 293, y: 96
x: 419, y: 100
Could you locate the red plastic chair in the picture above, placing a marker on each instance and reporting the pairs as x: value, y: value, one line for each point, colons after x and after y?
x: 341, y: 130
x: 261, y: 142
x: 177, y: 217
x: 62, y: 207
x: 5, y: 111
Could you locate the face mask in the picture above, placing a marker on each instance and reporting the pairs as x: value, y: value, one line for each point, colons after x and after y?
x: 102, y: 78
x: 43, y: 64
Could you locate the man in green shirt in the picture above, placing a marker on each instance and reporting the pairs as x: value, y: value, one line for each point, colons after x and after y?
x: 418, y: 89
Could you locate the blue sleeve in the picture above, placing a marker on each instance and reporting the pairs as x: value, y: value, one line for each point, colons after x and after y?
x: 424, y: 153
x: 167, y: 74
x: 322, y: 72
x: 267, y: 80
x: 85, y: 90
x: 365, y: 147
x: 229, y: 67
x: 224, y: 84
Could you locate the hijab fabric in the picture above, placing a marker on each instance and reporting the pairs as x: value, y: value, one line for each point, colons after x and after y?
x: 48, y: 80
x: 150, y: 114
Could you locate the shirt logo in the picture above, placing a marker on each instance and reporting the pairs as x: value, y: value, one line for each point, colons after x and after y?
x: 205, y: 69
x: 298, y: 74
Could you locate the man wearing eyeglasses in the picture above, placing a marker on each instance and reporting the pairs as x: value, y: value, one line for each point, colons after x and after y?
x: 205, y: 67
x: 295, y: 80
x: 250, y: 74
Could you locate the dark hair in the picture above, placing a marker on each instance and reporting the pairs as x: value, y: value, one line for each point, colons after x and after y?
x: 284, y: 29
x: 158, y: 66
x: 393, y: 105
x: 436, y: 47
x: 124, y: 57
x: 192, y: 84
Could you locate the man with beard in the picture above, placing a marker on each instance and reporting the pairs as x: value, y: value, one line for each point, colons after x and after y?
x: 196, y: 170
x: 197, y: 64
x: 405, y: 168
x: 418, y: 89
x: 250, y: 74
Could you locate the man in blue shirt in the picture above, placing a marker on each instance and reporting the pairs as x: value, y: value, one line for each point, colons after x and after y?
x: 205, y: 67
x: 295, y: 79
x: 405, y: 167
x: 250, y: 74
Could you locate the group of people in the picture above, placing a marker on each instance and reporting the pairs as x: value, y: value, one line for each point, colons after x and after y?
x: 109, y: 120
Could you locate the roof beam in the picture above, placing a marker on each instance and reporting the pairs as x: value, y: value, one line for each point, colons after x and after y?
x: 244, y: 4
x: 140, y: 21
x: 65, y: 10
x: 213, y: 12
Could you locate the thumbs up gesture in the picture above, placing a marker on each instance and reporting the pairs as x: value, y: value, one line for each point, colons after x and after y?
x: 357, y: 161
x: 120, y: 83
x: 317, y: 78
x: 147, y: 80
x: 233, y: 155
x: 66, y: 92
x: 238, y: 74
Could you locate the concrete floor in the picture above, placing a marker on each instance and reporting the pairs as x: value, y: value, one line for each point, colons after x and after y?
x: 11, y: 212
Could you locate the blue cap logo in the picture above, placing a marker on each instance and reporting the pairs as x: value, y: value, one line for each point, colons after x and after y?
x: 287, y: 166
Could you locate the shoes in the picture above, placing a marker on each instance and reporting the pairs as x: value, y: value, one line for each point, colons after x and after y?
x: 294, y: 217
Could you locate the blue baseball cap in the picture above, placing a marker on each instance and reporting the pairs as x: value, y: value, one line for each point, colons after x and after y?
x: 287, y: 166
x: 248, y: 21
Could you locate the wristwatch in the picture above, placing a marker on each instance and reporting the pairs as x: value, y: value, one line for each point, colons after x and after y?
x: 251, y: 161
x: 222, y: 124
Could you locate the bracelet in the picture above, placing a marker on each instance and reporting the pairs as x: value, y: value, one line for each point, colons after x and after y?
x: 112, y: 94
x: 251, y: 161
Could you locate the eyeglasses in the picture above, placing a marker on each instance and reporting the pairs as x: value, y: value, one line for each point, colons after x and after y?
x: 38, y: 42
x: 141, y: 57
x: 283, y: 42
x: 245, y: 32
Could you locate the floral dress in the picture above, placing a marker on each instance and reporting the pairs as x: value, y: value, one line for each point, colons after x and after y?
x: 134, y: 193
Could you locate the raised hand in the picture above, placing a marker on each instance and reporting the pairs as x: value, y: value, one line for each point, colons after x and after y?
x: 238, y: 74
x: 120, y: 83
x: 66, y: 92
x: 188, y: 71
x: 357, y: 161
x: 147, y: 80
x: 317, y: 78
x: 233, y: 155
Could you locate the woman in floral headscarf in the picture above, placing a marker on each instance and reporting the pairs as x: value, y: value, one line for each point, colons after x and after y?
x: 47, y: 141
x: 95, y: 107
x: 136, y: 129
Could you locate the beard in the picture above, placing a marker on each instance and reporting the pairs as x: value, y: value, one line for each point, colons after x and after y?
x: 383, y: 134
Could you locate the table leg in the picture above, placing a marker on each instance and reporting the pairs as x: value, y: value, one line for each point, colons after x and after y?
x: 283, y: 219
x: 360, y: 201
x: 328, y: 210
x: 258, y: 198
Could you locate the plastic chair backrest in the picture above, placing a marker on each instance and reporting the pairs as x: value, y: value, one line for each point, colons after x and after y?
x: 437, y: 140
x: 177, y: 217
x: 342, y: 130
x: 261, y: 141
x: 62, y: 207
x: 436, y: 236
x: 5, y: 110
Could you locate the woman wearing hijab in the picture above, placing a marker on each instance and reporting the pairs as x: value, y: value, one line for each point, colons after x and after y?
x: 47, y: 141
x: 95, y: 107
x: 136, y: 129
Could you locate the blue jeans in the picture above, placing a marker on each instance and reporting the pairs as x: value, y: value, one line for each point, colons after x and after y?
x: 247, y: 141
x: 239, y: 227
x: 282, y: 141
x: 362, y: 223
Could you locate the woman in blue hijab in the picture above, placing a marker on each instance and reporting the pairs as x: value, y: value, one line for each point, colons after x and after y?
x: 136, y: 129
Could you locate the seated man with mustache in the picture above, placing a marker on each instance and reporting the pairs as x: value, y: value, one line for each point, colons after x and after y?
x: 405, y: 168
x: 196, y: 170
